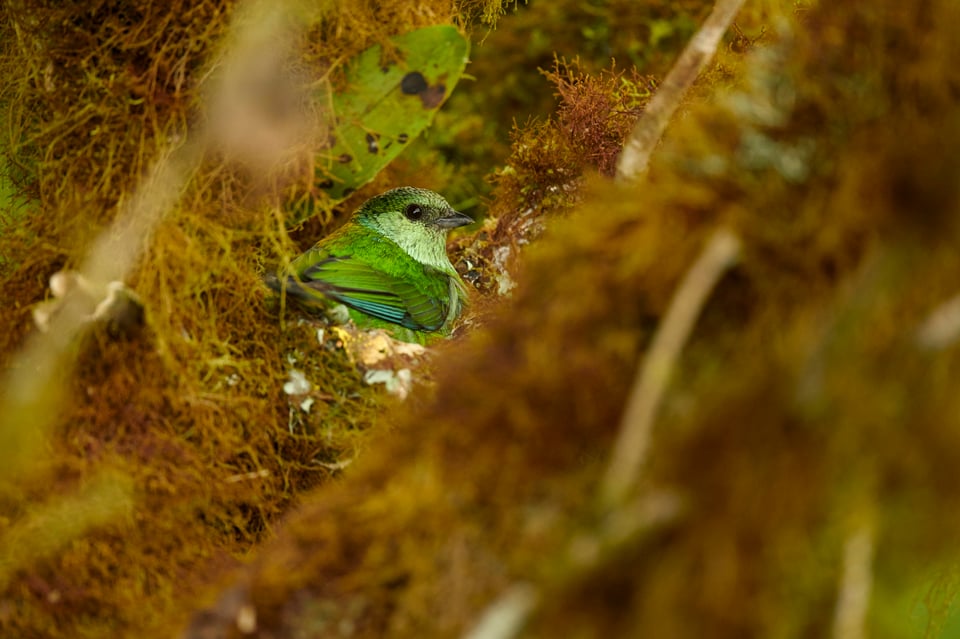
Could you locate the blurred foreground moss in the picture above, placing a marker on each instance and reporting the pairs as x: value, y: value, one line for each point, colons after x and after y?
x: 43, y: 531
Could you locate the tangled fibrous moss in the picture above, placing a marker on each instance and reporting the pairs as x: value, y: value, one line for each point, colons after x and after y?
x: 191, y: 411
x: 548, y: 160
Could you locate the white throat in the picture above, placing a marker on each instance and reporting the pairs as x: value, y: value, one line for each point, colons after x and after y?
x: 428, y: 246
x: 432, y: 253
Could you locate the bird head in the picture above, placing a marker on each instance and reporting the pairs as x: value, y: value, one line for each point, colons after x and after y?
x: 415, y: 219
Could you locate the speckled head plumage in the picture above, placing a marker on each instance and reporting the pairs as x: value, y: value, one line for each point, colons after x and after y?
x: 418, y: 206
x: 415, y: 219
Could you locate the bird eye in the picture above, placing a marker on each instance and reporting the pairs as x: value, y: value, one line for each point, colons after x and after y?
x: 413, y: 212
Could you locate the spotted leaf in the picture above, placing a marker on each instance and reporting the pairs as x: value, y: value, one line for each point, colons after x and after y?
x: 380, y: 109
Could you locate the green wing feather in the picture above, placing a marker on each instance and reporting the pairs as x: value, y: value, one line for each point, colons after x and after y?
x: 361, y: 287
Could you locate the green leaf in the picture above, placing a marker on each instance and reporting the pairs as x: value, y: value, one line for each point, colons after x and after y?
x: 381, y: 109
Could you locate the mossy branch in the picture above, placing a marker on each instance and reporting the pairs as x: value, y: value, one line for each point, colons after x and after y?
x: 651, y: 125
x: 625, y: 523
x: 632, y: 525
x: 630, y: 451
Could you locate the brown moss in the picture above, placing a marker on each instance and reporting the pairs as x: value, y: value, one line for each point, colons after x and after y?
x: 644, y: 36
x: 597, y: 112
x: 548, y: 160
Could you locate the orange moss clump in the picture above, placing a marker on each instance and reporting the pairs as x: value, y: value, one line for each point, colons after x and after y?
x: 644, y: 36
x: 548, y: 159
x: 597, y: 112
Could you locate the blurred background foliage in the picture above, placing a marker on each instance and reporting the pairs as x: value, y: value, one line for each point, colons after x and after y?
x: 808, y: 444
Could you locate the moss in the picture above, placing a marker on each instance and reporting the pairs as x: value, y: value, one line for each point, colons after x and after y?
x: 547, y: 163
x: 804, y: 404
x: 191, y: 410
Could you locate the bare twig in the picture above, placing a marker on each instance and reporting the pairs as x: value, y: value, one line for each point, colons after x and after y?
x: 586, y: 554
x: 34, y: 388
x: 630, y: 451
x: 651, y: 125
x: 856, y: 581
x: 942, y: 326
x: 506, y: 616
x: 35, y: 385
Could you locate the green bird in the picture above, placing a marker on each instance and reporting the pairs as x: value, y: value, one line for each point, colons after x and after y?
x: 388, y: 265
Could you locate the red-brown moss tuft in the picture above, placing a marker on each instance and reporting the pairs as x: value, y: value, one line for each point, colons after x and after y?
x: 597, y: 112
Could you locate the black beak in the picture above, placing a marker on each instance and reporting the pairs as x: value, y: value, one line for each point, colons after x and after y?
x: 452, y: 219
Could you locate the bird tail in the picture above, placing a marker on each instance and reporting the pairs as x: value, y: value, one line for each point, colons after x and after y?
x: 309, y: 295
x: 272, y: 282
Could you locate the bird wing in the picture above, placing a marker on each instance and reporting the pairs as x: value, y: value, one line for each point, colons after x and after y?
x: 362, y: 287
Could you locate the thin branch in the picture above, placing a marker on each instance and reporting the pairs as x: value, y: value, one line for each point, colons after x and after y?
x: 506, y: 617
x: 33, y: 389
x: 35, y: 385
x: 631, y: 525
x: 942, y: 327
x: 625, y: 523
x: 630, y: 451
x: 856, y: 582
x: 649, y: 129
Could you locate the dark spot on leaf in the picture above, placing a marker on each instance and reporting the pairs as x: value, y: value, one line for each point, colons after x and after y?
x: 433, y: 96
x: 413, y: 83
x: 326, y: 184
x: 344, y: 158
x: 372, y: 144
x: 347, y: 191
x: 402, y: 138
